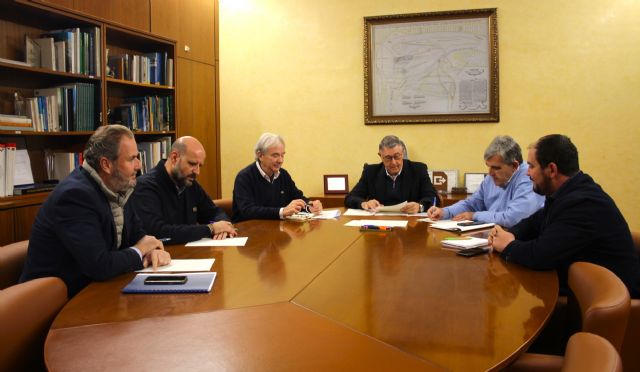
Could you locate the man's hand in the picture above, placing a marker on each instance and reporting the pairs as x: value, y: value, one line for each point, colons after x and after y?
x: 435, y: 213
x: 147, y: 244
x: 499, y: 238
x: 370, y: 205
x: 155, y: 258
x: 411, y: 208
x: 294, y: 207
x: 315, y: 206
x: 223, y: 230
x: 463, y: 216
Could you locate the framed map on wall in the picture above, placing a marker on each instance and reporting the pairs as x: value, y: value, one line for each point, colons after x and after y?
x: 439, y: 67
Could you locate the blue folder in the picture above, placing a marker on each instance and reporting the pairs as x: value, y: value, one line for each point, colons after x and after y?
x: 200, y: 282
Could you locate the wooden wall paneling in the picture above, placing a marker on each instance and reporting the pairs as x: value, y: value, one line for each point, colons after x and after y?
x: 130, y: 13
x: 69, y: 4
x: 6, y: 226
x: 24, y: 218
x: 196, y: 116
x: 191, y: 23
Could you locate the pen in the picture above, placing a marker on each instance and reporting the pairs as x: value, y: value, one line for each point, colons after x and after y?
x: 374, y: 227
x: 164, y: 239
x: 434, y: 201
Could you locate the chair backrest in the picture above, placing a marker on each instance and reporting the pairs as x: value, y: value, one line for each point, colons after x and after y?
x: 225, y: 204
x: 603, y: 300
x: 587, y: 352
x: 631, y: 345
x: 26, y: 313
x: 12, y: 257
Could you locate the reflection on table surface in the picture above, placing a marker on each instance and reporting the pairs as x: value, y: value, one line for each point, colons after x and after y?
x: 421, y: 305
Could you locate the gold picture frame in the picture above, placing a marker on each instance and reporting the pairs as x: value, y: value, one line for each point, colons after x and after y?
x: 438, y: 67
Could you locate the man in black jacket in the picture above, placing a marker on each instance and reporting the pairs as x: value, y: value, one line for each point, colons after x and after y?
x: 172, y: 204
x: 579, y: 221
x: 394, y: 180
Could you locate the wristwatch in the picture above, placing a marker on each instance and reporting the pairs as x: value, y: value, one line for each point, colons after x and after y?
x: 421, y: 208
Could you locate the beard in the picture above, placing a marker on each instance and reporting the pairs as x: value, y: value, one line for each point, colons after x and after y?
x: 544, y: 188
x: 122, y: 183
x: 181, y: 179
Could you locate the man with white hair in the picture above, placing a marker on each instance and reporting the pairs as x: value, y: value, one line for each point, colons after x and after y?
x: 265, y: 190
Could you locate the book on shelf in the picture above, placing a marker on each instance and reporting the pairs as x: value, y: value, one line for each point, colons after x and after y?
x: 64, y: 163
x: 3, y: 172
x: 47, y: 52
x: 33, y: 188
x: 18, y: 120
x: 9, y: 167
x: 32, y: 52
x: 14, y: 62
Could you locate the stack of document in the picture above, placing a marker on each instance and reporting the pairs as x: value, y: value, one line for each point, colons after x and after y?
x: 464, y: 242
x: 459, y: 226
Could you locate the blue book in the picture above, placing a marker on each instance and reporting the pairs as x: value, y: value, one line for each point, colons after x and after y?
x: 200, y: 282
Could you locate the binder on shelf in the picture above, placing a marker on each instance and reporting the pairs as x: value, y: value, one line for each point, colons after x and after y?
x: 3, y: 171
x: 9, y: 167
x: 200, y: 282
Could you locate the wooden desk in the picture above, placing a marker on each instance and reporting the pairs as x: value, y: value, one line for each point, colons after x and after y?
x: 315, y: 296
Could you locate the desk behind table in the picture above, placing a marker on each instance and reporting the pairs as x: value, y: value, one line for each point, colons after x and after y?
x: 315, y: 296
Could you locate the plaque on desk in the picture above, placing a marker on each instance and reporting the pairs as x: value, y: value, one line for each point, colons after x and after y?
x: 336, y: 184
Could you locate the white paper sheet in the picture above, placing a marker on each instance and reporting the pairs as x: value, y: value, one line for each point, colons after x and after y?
x: 451, y: 225
x: 185, y: 265
x: 362, y: 212
x: 389, y: 223
x: 327, y: 214
x: 229, y: 242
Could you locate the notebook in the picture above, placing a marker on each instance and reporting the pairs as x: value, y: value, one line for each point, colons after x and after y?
x: 201, y: 282
x: 451, y: 225
x: 464, y: 242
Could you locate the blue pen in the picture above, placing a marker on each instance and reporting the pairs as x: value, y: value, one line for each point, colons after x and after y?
x: 434, y: 201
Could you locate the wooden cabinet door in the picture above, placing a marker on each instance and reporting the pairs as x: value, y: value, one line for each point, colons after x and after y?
x: 191, y: 23
x: 24, y: 218
x: 197, y: 116
x: 130, y: 13
x: 6, y: 227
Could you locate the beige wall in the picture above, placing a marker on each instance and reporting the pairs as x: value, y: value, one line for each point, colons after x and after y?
x: 294, y: 67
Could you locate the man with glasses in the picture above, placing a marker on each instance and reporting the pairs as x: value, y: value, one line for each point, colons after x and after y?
x: 172, y: 205
x: 265, y: 190
x: 393, y: 181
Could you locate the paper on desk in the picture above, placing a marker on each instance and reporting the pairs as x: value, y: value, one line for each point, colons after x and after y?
x: 327, y: 214
x: 229, y: 242
x: 427, y: 219
x: 451, y: 225
x: 362, y: 212
x: 388, y: 223
x: 185, y: 265
x: 392, y: 208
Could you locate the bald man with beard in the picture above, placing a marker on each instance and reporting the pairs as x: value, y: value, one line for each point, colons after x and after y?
x: 172, y: 204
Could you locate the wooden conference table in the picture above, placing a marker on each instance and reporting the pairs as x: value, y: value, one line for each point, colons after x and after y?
x: 314, y: 296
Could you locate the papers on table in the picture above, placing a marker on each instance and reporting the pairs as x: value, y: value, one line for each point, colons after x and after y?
x: 426, y: 219
x: 464, y: 242
x: 229, y: 242
x: 327, y: 214
x: 392, y: 208
x: 362, y: 212
x: 387, y: 223
x: 187, y: 265
x: 451, y: 225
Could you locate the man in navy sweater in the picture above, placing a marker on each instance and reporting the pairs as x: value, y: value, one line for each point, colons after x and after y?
x: 172, y: 204
x: 579, y: 221
x: 265, y: 190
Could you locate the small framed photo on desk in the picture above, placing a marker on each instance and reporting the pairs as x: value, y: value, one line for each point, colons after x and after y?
x: 472, y: 181
x: 336, y: 183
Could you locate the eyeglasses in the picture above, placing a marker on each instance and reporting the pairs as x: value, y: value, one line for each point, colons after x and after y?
x: 397, y: 157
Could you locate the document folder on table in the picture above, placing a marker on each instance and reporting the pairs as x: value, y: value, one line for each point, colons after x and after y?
x: 196, y: 283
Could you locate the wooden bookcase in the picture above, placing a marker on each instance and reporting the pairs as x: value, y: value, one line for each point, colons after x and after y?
x: 19, y: 18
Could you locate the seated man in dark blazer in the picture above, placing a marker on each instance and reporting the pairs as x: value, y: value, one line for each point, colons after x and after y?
x: 265, y: 190
x: 172, y: 204
x: 579, y: 221
x: 85, y: 230
x: 393, y: 181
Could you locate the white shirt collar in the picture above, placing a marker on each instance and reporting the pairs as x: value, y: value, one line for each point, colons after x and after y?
x: 265, y: 176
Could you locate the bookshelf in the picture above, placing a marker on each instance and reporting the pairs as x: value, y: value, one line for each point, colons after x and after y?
x: 102, y: 94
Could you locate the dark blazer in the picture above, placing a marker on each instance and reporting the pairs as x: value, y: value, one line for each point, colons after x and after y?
x: 416, y: 185
x: 166, y: 214
x: 579, y: 222
x: 73, y: 236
